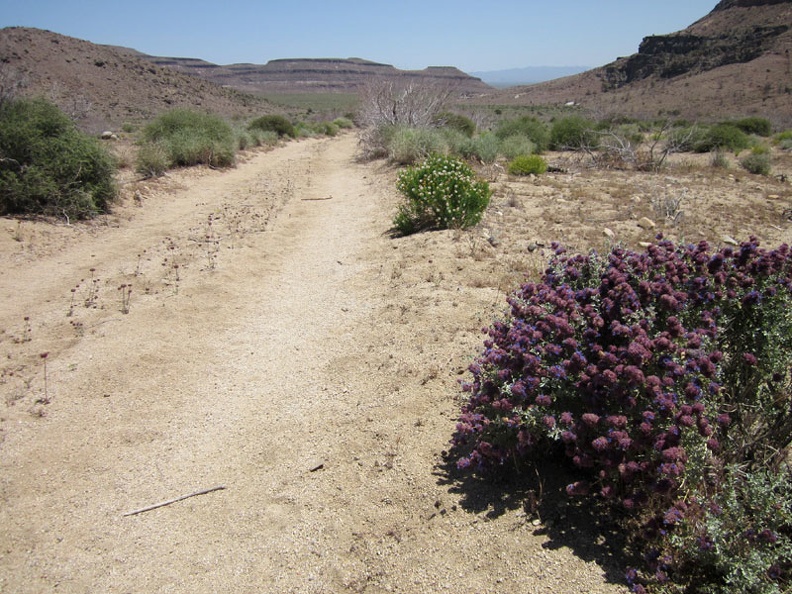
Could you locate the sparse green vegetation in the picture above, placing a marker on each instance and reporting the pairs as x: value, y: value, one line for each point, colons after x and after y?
x: 274, y: 123
x: 527, y: 165
x: 573, y: 133
x: 49, y: 167
x: 723, y: 137
x: 188, y: 138
x: 755, y: 125
x: 409, y: 145
x: 457, y: 122
x: 757, y: 163
x: 484, y: 147
x: 525, y: 127
x: 516, y: 145
x: 784, y: 140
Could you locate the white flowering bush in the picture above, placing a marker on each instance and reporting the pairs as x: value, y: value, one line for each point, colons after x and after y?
x: 440, y: 193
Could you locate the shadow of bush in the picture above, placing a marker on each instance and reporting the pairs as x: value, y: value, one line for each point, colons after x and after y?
x: 591, y: 531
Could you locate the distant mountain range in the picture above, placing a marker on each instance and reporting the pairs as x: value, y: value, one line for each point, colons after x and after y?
x: 526, y: 76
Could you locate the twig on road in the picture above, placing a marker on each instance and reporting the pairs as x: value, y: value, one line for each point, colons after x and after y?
x: 164, y: 503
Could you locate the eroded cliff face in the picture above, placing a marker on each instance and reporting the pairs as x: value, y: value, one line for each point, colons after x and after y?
x: 715, y: 41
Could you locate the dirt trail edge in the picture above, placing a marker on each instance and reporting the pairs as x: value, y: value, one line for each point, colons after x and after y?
x: 277, y: 342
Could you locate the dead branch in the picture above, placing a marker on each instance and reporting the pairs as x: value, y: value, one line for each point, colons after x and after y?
x: 169, y: 501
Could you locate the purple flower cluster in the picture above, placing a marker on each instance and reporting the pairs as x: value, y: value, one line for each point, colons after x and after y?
x: 636, y: 366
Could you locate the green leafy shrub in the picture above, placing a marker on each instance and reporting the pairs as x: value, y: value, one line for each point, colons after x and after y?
x: 755, y: 125
x: 455, y: 121
x: 192, y: 138
x: 409, y: 145
x: 527, y: 165
x: 440, y: 193
x: 344, y: 123
x: 527, y: 126
x: 516, y: 145
x: 456, y: 142
x: 274, y: 123
x: 484, y: 147
x: 573, y: 133
x: 152, y: 159
x: 311, y: 129
x: 665, y: 377
x: 723, y: 137
x: 49, y: 167
x: 783, y: 140
x: 757, y: 163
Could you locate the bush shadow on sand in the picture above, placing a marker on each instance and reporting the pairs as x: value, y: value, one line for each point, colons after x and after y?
x: 540, y: 493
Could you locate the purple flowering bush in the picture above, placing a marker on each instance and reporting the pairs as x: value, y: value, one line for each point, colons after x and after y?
x: 664, y: 377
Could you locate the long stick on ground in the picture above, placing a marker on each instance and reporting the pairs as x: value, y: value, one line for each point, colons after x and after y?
x: 169, y: 501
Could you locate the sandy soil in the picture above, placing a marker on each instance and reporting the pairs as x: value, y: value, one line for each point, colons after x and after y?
x: 279, y: 343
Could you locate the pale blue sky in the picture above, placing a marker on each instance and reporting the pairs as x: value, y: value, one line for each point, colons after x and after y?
x: 410, y: 34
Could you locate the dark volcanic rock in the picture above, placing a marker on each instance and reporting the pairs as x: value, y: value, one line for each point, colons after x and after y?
x: 667, y: 56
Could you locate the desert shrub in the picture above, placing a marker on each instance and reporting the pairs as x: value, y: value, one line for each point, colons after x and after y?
x: 374, y: 141
x: 723, y: 137
x: 455, y: 121
x: 573, y: 133
x: 192, y: 138
x: 516, y: 145
x: 719, y: 160
x: 440, y: 193
x: 631, y: 133
x: 344, y: 123
x: 152, y: 159
x: 311, y: 129
x: 685, y: 139
x: 755, y: 125
x: 268, y: 138
x: 49, y: 167
x: 783, y: 140
x: 244, y: 140
x: 456, y: 142
x: 664, y: 377
x: 757, y: 163
x: 274, y: 123
x: 533, y: 129
x: 484, y: 147
x: 409, y: 145
x: 527, y: 165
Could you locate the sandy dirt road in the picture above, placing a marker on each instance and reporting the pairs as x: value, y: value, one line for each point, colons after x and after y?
x: 276, y: 342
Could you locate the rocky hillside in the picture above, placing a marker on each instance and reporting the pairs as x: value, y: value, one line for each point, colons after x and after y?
x: 733, y: 62
x: 317, y: 75
x: 104, y: 87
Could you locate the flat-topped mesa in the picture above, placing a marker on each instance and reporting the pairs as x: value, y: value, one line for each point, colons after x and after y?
x: 318, y: 74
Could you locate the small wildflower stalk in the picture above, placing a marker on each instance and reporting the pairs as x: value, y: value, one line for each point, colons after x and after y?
x: 27, y: 331
x: 93, y: 290
x: 126, y: 296
x: 70, y: 313
x: 46, y: 398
